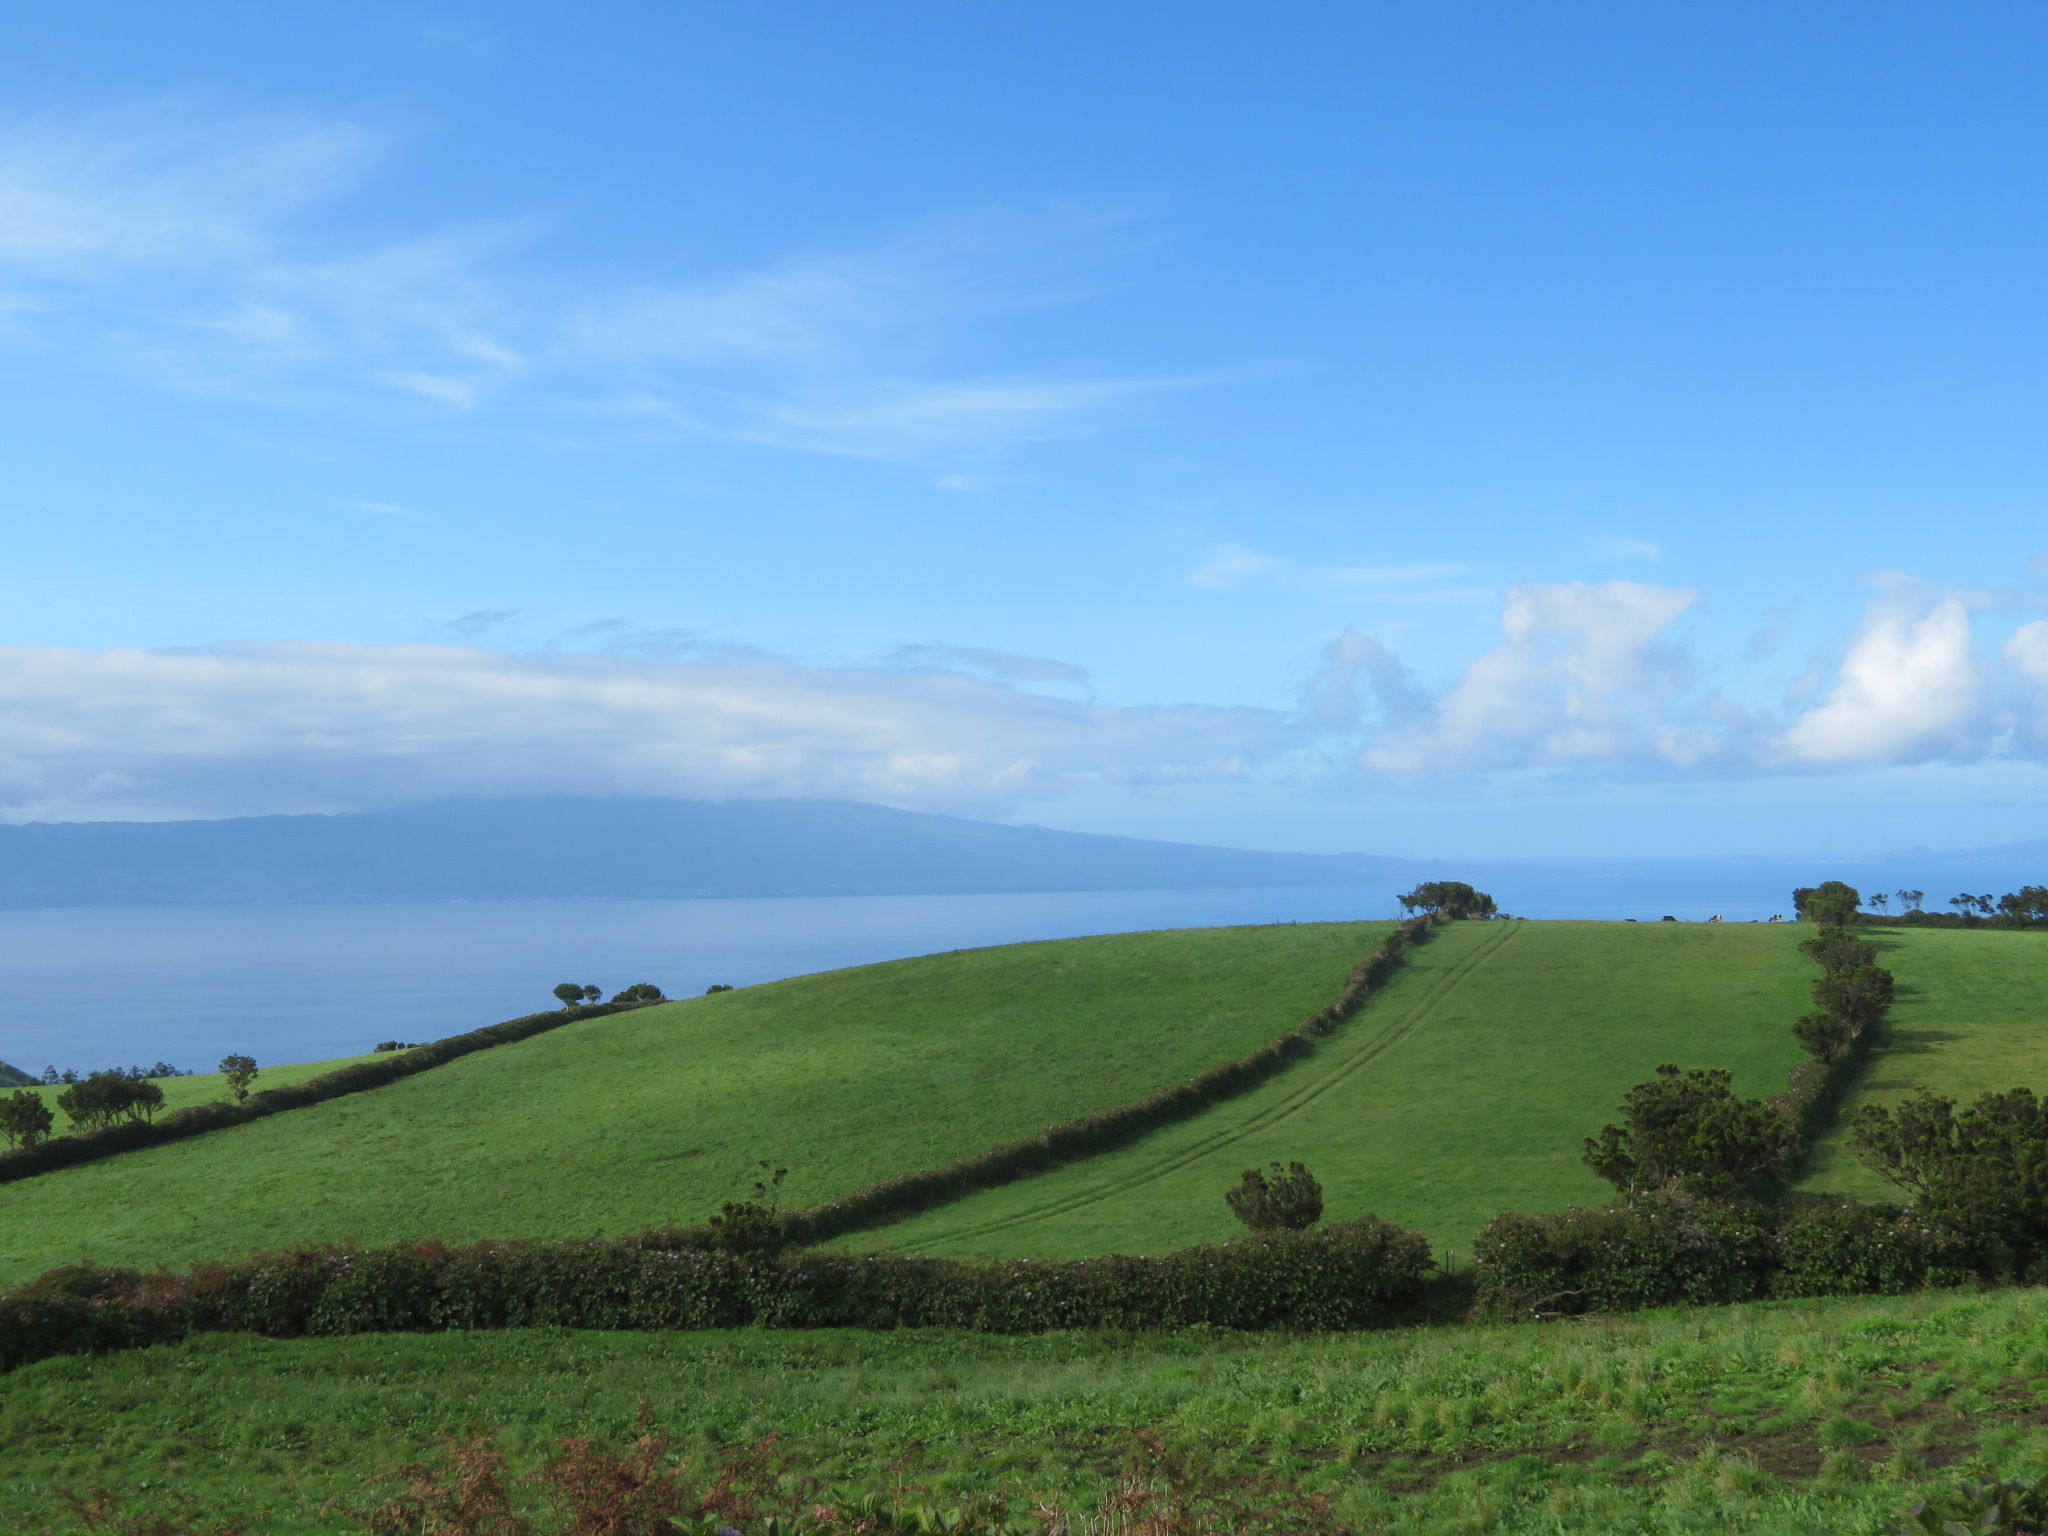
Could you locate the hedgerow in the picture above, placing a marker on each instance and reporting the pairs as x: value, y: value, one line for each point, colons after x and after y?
x: 197, y: 1119
x: 1105, y: 1129
x: 1680, y: 1252
x: 1348, y: 1275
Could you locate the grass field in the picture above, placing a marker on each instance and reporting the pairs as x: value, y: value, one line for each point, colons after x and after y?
x: 1769, y: 1420
x: 622, y: 1123
x: 204, y: 1087
x: 1462, y: 1090
x: 1971, y: 1016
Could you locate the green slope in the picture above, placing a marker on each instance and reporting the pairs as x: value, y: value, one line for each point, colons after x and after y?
x: 1971, y: 1016
x: 622, y: 1123
x: 1796, y: 1419
x: 1462, y: 1090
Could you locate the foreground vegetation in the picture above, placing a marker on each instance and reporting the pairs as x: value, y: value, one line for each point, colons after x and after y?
x: 1788, y: 1417
x: 631, y: 1121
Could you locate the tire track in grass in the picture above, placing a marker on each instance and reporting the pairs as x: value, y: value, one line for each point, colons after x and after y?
x: 1338, y: 1067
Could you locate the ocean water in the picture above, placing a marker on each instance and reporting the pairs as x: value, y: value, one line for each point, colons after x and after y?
x: 87, y: 987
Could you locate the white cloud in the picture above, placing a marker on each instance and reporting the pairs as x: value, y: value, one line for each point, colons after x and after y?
x: 179, y: 248
x: 304, y: 726
x: 1582, y: 676
x: 1909, y: 688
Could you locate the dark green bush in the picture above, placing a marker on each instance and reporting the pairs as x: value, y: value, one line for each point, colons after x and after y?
x: 1290, y: 1201
x: 1657, y: 1253
x: 1687, y: 1133
x: 1982, y: 1174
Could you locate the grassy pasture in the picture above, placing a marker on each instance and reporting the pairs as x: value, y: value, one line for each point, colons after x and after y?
x: 1971, y: 1016
x: 1462, y: 1090
x: 626, y: 1122
x: 1777, y: 1420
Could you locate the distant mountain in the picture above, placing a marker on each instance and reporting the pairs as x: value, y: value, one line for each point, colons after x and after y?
x: 14, y: 1077
x: 499, y: 850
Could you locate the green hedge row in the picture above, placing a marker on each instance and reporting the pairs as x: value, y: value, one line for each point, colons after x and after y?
x: 1660, y: 1253
x: 1349, y: 1275
x: 1090, y: 1134
x: 197, y: 1119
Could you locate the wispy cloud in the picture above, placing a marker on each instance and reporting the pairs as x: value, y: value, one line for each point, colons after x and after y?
x: 236, y: 729
x: 185, y: 249
x: 1612, y: 547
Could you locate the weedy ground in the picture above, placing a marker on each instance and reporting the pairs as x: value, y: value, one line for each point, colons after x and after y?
x: 633, y: 1121
x: 1792, y: 1417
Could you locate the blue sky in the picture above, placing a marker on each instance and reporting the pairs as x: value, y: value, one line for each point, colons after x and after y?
x: 1475, y: 429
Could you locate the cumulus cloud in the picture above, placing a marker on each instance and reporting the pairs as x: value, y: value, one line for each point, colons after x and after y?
x: 304, y: 726
x: 1583, y: 675
x: 1910, y: 688
x: 184, y: 249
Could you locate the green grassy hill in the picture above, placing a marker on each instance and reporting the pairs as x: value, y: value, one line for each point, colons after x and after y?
x: 1461, y: 1091
x: 1779, y: 1420
x: 1971, y: 1016
x: 627, y: 1122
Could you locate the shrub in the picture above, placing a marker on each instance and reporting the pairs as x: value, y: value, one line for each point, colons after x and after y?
x: 716, y: 986
x: 1826, y: 1038
x: 1834, y: 948
x: 1670, y: 1252
x: 1620, y: 1257
x: 2015, y: 1508
x: 1687, y: 1133
x: 640, y: 992
x: 1982, y: 1174
x: 24, y: 1118
x: 1290, y: 1201
x: 240, y: 1072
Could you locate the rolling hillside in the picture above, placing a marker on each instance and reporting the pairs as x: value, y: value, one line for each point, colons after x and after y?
x: 628, y: 1122
x: 1971, y: 1016
x: 1463, y: 1090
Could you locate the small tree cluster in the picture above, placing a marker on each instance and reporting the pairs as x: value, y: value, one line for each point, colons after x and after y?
x: 639, y: 992
x: 1289, y: 1201
x: 572, y: 994
x: 397, y: 1045
x: 25, y: 1118
x: 1686, y: 1133
x: 1449, y: 898
x: 106, y: 1098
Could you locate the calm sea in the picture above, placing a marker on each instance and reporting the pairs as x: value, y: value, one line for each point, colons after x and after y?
x: 87, y: 987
